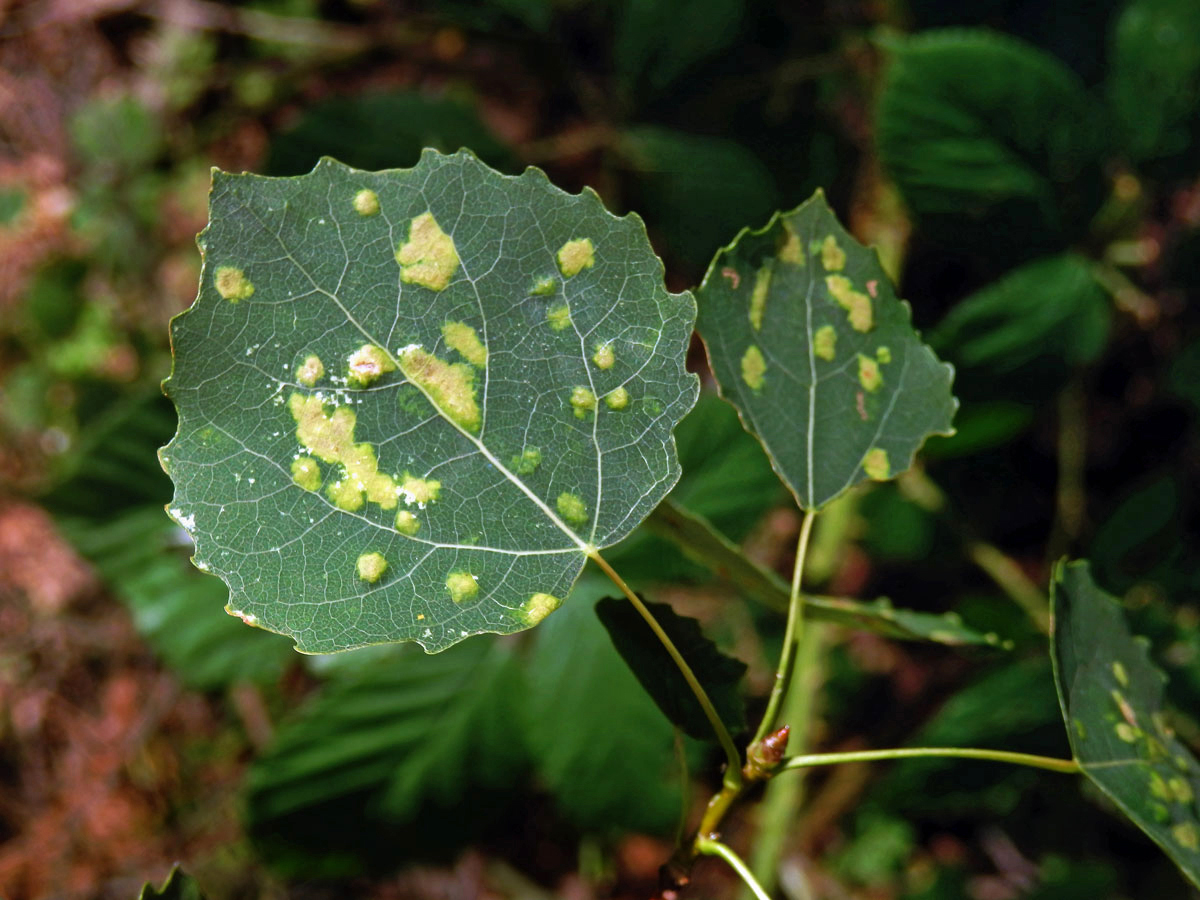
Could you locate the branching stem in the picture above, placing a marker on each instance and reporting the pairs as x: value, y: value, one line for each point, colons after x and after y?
x: 1067, y: 766
x: 795, y: 623
x: 710, y: 847
x: 734, y: 769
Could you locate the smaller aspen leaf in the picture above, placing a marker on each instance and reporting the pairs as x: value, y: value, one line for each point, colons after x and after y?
x: 809, y: 342
x: 1111, y: 695
x: 416, y: 349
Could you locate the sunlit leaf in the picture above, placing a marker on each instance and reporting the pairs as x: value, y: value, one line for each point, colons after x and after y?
x: 412, y: 401
x: 1111, y: 695
x: 808, y: 340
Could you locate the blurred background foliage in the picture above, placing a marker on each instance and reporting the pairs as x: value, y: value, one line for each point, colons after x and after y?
x: 1030, y: 173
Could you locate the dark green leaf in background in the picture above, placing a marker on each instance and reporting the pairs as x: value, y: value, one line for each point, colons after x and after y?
x: 388, y: 749
x: 658, y: 40
x: 410, y: 401
x: 699, y: 190
x: 1111, y: 695
x: 381, y: 131
x: 1154, y: 83
x: 602, y: 747
x: 809, y: 342
x: 720, y: 675
x: 141, y: 554
x: 991, y: 141
x: 1051, y: 307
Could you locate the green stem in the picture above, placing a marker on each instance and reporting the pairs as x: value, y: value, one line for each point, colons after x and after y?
x: 1068, y: 766
x: 784, y: 795
x: 709, y: 847
x: 795, y: 622
x: 733, y: 772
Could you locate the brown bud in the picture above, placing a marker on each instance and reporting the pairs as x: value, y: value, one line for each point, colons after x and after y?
x: 764, y: 756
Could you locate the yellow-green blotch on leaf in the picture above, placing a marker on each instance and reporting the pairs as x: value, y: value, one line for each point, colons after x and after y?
x: 330, y: 438
x: 462, y: 586
x: 306, y: 473
x: 583, y: 400
x: 527, y: 461
x: 604, y: 356
x: 310, y: 371
x: 876, y: 464
x: 559, y: 317
x: 428, y: 257
x: 856, y: 303
x: 883, y: 354
x: 833, y: 257
x: 1120, y: 674
x: 869, y: 375
x: 758, y: 296
x: 617, y: 398
x: 232, y: 284
x: 575, y: 256
x: 538, y: 607
x: 1186, y: 835
x: 407, y: 523
x: 366, y: 203
x: 371, y: 566
x: 754, y: 367
x: 572, y: 508
x: 421, y: 491
x: 450, y: 387
x: 462, y: 337
x: 366, y: 364
x: 543, y: 287
x: 791, y: 251
x: 825, y: 342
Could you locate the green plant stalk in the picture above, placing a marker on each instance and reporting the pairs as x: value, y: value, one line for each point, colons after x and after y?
x: 1005, y: 572
x: 784, y: 795
x: 733, y: 771
x: 1071, y: 489
x: 709, y: 847
x: 1066, y: 766
x: 795, y: 626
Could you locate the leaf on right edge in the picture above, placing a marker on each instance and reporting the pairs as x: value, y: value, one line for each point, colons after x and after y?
x: 1111, y: 695
x: 809, y: 341
x: 719, y: 674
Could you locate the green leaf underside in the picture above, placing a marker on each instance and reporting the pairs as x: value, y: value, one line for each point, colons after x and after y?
x: 809, y: 342
x: 484, y: 443
x: 1111, y: 695
x: 720, y: 675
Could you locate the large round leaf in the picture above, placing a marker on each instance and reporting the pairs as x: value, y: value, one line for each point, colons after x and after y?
x: 412, y: 401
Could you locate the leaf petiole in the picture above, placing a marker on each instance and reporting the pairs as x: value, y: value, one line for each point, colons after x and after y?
x: 709, y: 847
x: 1066, y: 766
x: 734, y: 769
x: 795, y: 624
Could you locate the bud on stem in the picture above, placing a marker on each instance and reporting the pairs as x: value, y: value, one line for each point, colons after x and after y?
x: 763, y: 757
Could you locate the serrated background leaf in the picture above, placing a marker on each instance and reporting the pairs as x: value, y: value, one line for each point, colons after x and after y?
x: 1050, y: 307
x: 602, y: 747
x: 142, y: 555
x: 1111, y: 695
x: 824, y: 387
x: 1154, y: 83
x: 325, y: 283
x: 720, y: 675
x: 380, y: 750
x: 991, y: 141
